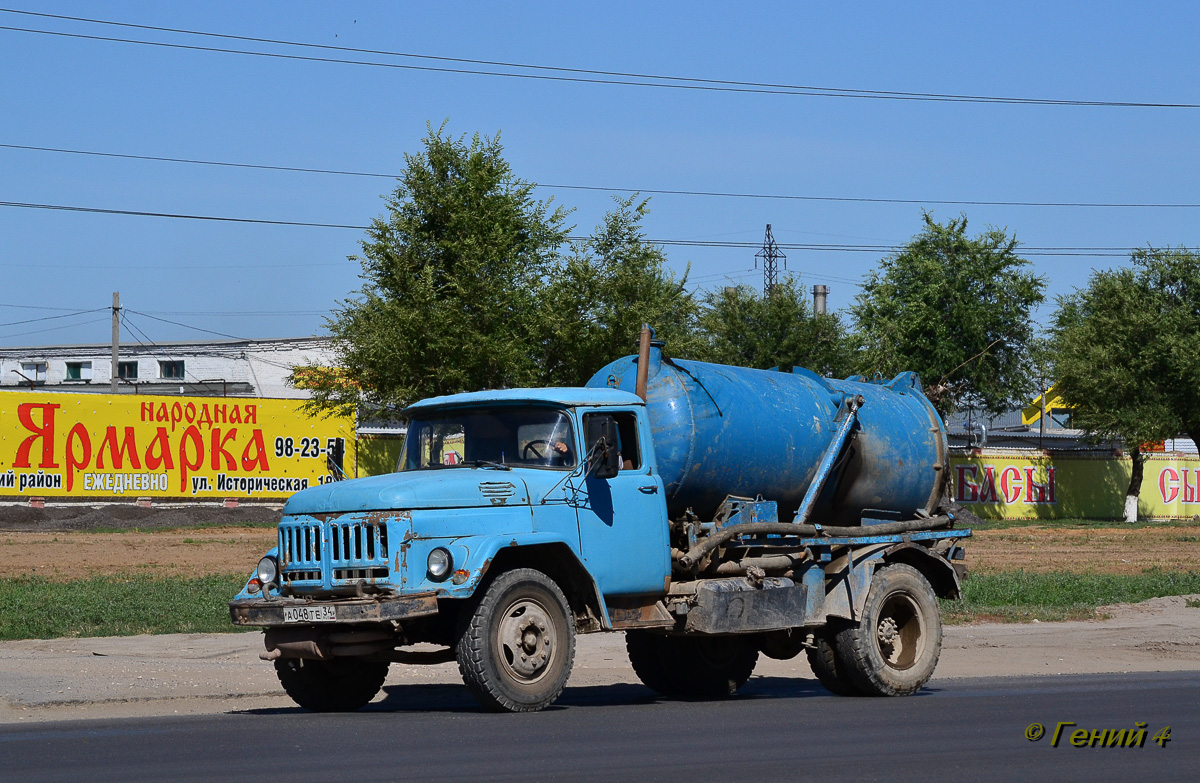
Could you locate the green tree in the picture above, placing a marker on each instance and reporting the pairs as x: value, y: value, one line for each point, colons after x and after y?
x: 957, y: 310
x: 1123, y: 351
x: 455, y: 272
x: 1173, y: 274
x: 602, y: 293
x: 749, y: 329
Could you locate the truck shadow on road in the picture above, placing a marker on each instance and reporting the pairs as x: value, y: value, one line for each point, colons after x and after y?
x: 456, y: 698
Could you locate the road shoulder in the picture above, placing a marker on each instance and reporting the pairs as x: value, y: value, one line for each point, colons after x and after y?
x: 178, y: 674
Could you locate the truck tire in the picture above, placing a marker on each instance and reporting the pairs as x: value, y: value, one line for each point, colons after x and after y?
x: 894, y: 648
x: 516, y: 647
x: 339, y: 685
x: 691, y: 667
x: 648, y: 658
x: 823, y: 659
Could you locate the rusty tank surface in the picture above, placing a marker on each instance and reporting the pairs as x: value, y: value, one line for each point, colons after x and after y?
x: 720, y: 430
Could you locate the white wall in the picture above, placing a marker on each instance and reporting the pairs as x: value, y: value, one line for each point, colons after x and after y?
x: 263, y: 364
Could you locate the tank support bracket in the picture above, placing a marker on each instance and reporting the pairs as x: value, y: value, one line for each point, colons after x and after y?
x: 828, y: 459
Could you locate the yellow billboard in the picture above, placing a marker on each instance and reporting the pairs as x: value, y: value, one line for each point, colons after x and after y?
x: 1005, y: 484
x: 55, y: 444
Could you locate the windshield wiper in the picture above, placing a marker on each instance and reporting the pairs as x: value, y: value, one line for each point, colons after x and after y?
x: 487, y: 463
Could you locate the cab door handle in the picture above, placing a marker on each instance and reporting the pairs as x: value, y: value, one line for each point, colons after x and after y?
x: 650, y: 490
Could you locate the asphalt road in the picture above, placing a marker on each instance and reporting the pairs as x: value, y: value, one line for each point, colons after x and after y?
x: 776, y: 729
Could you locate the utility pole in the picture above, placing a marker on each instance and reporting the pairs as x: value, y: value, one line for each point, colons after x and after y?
x: 771, y: 255
x: 116, y: 338
x: 820, y: 292
x: 1042, y: 418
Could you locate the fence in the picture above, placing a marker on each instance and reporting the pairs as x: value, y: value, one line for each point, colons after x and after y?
x: 1009, y: 484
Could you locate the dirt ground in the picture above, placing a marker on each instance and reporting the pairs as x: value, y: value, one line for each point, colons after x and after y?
x: 1115, y: 550
x: 74, y: 553
x: 71, y: 541
x: 184, y: 553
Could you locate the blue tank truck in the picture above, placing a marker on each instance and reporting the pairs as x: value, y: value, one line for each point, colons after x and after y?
x: 716, y: 514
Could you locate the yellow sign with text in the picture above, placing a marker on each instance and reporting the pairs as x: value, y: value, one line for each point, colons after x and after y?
x: 99, y: 445
x: 999, y: 484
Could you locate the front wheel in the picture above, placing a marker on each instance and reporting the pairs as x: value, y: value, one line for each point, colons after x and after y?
x: 894, y: 648
x: 339, y: 685
x: 516, y: 648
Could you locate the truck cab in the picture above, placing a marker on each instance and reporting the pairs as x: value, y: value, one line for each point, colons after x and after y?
x: 560, y: 479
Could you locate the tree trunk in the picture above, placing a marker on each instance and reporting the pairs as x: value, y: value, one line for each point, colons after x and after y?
x: 1135, y: 485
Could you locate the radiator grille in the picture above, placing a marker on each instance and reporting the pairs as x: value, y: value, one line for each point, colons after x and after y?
x: 300, y: 545
x: 356, y: 542
x: 334, y: 551
x: 342, y: 574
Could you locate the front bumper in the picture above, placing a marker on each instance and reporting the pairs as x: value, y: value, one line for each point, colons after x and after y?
x: 269, y: 612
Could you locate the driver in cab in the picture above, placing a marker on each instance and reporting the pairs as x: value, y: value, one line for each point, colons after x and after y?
x: 560, y: 452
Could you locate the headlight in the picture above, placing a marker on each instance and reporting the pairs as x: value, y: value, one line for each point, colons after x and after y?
x: 267, y: 571
x: 440, y: 564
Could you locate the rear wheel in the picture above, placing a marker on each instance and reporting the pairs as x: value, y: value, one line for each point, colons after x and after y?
x: 515, y: 650
x: 338, y: 685
x: 823, y: 659
x: 894, y: 648
x: 647, y: 656
x: 700, y: 667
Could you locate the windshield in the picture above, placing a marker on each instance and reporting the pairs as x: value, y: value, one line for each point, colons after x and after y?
x: 515, y: 437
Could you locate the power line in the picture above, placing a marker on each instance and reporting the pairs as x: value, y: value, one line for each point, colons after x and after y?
x: 580, y: 75
x: 161, y: 159
x: 189, y: 326
x: 1100, y: 252
x: 161, y: 267
x: 55, y: 328
x: 650, y: 191
x: 239, y: 313
x: 131, y: 327
x: 1024, y: 250
x: 743, y: 273
x: 54, y: 317
x: 65, y: 208
x: 571, y: 79
x: 35, y: 307
x: 872, y: 200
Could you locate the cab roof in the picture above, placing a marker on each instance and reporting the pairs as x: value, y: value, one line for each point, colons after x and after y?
x: 565, y: 396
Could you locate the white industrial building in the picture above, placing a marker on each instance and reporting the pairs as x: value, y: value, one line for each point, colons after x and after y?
x: 212, y: 368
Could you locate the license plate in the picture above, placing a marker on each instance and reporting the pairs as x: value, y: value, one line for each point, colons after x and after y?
x: 309, y: 614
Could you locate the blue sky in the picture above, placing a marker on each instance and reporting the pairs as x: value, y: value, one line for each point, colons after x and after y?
x: 275, y: 281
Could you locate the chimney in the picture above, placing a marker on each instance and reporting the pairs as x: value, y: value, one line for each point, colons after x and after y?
x: 819, y: 294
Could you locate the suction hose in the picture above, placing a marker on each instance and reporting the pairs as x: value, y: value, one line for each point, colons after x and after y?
x: 696, y: 553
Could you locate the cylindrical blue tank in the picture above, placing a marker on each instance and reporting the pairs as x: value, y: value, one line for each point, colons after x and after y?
x: 721, y: 430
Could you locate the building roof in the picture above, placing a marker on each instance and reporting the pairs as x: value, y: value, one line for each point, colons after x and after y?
x: 176, y: 346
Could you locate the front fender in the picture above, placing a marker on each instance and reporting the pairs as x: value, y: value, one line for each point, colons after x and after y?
x: 245, y: 591
x: 545, y: 552
x: 472, y: 555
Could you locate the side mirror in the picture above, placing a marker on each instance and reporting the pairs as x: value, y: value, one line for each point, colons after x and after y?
x: 601, y: 436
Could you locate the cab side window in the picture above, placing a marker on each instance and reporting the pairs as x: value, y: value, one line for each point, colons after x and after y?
x: 627, y: 438
x: 631, y: 457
